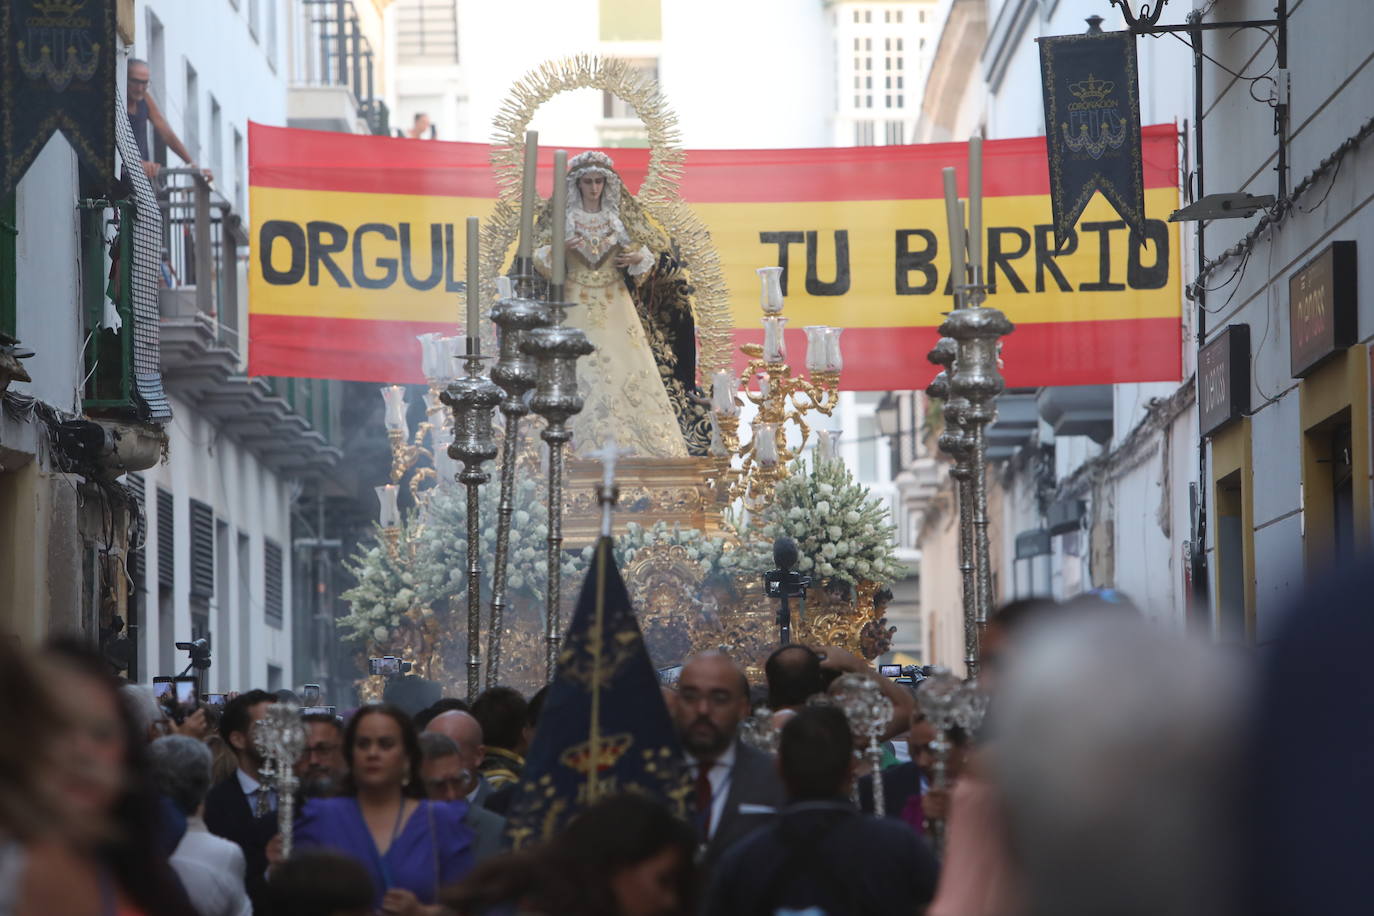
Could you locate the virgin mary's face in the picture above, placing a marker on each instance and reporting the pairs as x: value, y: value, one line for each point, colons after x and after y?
x: 591, y: 186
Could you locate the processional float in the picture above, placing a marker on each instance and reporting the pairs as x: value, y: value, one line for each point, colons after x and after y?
x: 534, y: 371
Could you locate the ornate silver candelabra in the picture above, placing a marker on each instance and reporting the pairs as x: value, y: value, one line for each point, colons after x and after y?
x: 556, y: 349
x: 976, y: 379
x: 972, y: 377
x: 868, y: 712
x: 948, y: 703
x: 280, y: 738
x: 473, y: 400
x: 516, y: 373
x: 955, y: 442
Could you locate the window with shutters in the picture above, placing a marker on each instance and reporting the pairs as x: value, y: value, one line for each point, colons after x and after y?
x: 166, y: 541
x: 202, y: 550
x: 137, y: 613
x: 272, y: 582
x: 613, y: 106
x: 137, y: 556
x: 427, y: 30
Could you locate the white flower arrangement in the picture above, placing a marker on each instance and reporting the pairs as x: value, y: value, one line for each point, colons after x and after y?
x: 842, y: 531
x: 430, y: 566
x: 710, y: 554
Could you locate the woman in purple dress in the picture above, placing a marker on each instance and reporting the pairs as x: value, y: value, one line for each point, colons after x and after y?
x: 412, y: 847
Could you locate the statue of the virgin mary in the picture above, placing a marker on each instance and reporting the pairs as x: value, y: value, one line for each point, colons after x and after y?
x: 633, y: 302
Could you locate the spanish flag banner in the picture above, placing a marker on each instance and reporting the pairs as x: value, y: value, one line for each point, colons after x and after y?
x: 357, y: 248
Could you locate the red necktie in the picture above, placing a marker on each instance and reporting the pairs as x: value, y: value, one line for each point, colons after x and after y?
x: 703, y: 798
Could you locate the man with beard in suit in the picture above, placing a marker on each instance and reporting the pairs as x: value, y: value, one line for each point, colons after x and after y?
x: 242, y: 808
x: 735, y: 787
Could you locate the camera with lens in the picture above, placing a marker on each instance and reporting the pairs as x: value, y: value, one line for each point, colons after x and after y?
x: 785, y: 582
x: 200, y: 652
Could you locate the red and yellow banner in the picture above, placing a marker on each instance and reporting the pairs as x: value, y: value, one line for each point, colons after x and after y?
x: 358, y: 247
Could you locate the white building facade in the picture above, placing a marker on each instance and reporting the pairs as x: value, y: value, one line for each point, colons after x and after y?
x: 219, y: 550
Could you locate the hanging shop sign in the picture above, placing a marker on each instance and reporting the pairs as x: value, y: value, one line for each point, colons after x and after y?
x: 1031, y: 544
x: 1224, y: 378
x: 1322, y: 300
x: 358, y: 240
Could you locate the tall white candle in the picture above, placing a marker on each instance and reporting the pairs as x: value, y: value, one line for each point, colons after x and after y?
x: 558, y: 240
x: 975, y: 206
x: 474, y: 331
x: 527, y: 197
x: 956, y: 230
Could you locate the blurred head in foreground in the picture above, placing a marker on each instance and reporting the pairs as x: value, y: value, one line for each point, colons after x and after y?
x: 1116, y: 757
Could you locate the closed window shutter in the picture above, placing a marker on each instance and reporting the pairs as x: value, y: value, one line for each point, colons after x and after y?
x: 166, y: 534
x: 202, y: 550
x: 137, y: 558
x: 272, y: 582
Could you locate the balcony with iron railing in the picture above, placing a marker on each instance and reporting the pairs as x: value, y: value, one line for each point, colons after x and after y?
x: 203, y: 343
x: 334, y: 82
x: 202, y: 238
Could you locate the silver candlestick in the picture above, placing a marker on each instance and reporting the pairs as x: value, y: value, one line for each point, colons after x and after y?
x: 516, y: 373
x: 556, y: 398
x: 948, y: 703
x: 280, y: 739
x: 956, y: 442
x: 976, y: 378
x: 936, y: 699
x: 473, y: 399
x: 868, y: 712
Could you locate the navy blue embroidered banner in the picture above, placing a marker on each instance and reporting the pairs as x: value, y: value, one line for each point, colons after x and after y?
x: 1092, y: 126
x: 57, y: 72
x: 604, y: 728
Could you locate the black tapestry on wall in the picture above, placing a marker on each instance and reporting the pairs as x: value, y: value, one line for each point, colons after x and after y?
x: 1092, y: 126
x: 57, y: 72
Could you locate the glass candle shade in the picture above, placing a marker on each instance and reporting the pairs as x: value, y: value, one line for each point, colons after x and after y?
x: 723, y: 393
x: 815, y: 347
x: 452, y: 349
x: 766, y: 444
x: 770, y: 298
x: 717, y: 447
x: 388, y: 512
x: 394, y: 397
x: 431, y: 356
x: 834, y: 360
x: 828, y: 444
x: 774, y: 339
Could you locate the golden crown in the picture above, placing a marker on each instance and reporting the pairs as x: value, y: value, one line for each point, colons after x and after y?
x: 1092, y: 89
x: 59, y: 7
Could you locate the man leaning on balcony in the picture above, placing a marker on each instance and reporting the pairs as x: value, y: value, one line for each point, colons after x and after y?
x: 143, y: 109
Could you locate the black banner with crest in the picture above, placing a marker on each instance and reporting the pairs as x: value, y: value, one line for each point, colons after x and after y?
x: 604, y: 728
x: 1092, y: 126
x: 57, y: 72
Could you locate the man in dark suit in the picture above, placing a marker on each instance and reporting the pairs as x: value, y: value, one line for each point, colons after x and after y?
x: 449, y: 777
x: 242, y: 808
x: 735, y: 787
x: 820, y: 855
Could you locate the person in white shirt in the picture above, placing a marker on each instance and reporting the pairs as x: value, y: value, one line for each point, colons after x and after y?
x: 210, y: 868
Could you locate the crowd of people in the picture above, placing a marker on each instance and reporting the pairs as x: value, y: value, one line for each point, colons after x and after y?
x: 1120, y: 769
